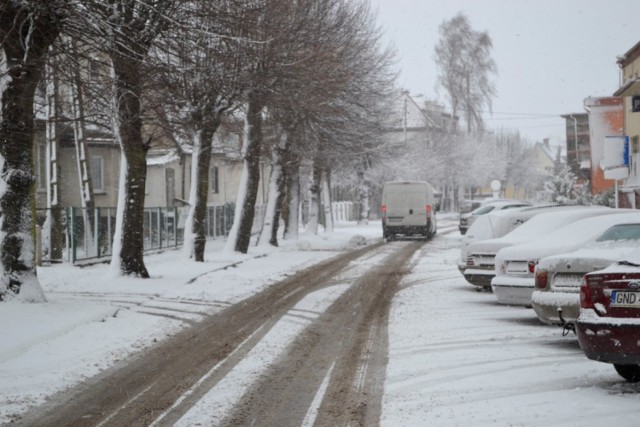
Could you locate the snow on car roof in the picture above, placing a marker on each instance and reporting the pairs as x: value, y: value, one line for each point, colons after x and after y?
x: 497, y: 224
x: 567, y: 238
x: 610, y: 251
x: 538, y: 225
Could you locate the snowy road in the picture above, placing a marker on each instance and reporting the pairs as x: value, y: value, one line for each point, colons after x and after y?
x: 343, y: 343
x: 311, y: 349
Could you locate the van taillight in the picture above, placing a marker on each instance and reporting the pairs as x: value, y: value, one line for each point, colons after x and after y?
x: 428, y: 211
x: 383, y: 209
x: 585, y: 295
x: 542, y: 279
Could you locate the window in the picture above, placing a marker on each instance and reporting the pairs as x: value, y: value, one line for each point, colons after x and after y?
x: 97, y: 175
x: 170, y: 182
x: 41, y: 167
x: 214, y: 182
x: 621, y: 232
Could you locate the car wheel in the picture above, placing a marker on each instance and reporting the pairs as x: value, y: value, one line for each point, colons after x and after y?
x: 630, y: 373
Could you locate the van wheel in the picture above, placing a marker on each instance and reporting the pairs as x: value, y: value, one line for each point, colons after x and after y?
x: 630, y: 373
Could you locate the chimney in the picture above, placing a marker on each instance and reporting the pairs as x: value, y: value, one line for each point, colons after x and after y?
x: 545, y: 141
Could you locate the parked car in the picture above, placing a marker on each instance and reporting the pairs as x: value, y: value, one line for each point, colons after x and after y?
x: 486, y: 227
x: 556, y: 297
x: 608, y: 327
x: 481, y: 255
x: 409, y: 208
x: 499, y: 223
x: 515, y: 265
x: 466, y: 219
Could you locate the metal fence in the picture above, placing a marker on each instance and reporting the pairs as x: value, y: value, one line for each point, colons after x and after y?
x: 83, y: 234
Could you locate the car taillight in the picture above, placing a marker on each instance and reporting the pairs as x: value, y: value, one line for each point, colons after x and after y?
x: 428, y: 211
x: 542, y: 279
x: 585, y: 295
x: 383, y: 209
x: 531, y: 265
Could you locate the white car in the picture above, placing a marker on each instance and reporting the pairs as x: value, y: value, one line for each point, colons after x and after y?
x: 515, y: 265
x: 480, y: 267
x: 497, y: 224
x: 467, y: 219
x: 556, y: 298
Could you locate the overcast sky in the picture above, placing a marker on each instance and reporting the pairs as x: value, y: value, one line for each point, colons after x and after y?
x: 551, y: 54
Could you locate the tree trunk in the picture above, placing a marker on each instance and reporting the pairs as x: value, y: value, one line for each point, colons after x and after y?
x: 198, y: 226
x: 292, y: 199
x: 83, y: 164
x: 269, y: 231
x: 314, y: 198
x: 24, y: 48
x: 280, y: 205
x: 240, y: 234
x: 129, y: 131
x: 326, y: 200
x: 363, y: 197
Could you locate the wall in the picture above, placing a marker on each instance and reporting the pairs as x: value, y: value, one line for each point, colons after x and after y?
x: 606, y: 118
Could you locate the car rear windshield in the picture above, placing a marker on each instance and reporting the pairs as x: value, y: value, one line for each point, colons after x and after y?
x: 621, y: 232
x: 483, y: 210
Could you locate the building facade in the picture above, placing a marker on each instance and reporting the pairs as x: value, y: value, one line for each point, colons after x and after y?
x: 578, y: 145
x: 629, y: 64
x: 606, y: 118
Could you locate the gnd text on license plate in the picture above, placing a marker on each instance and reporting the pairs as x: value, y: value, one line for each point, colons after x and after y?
x: 625, y: 299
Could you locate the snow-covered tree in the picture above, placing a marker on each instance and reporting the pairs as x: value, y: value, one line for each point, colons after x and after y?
x: 200, y: 69
x: 319, y: 76
x: 560, y: 186
x: 27, y: 30
x: 127, y: 29
x: 465, y: 69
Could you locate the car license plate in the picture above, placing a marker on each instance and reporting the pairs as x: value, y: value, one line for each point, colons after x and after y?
x: 395, y: 219
x: 625, y: 299
x: 516, y: 267
x: 563, y: 280
x: 484, y: 260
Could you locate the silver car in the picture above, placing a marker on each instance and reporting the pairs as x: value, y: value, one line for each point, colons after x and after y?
x: 515, y: 265
x: 556, y: 298
x: 480, y: 267
x: 467, y: 219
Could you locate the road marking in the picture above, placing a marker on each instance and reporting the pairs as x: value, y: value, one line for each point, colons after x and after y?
x: 208, y: 375
x: 114, y: 413
x: 312, y: 412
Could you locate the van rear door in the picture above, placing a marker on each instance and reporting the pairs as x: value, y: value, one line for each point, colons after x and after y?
x: 406, y: 207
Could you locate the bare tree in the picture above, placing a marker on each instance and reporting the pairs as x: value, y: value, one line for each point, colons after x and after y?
x: 128, y: 29
x: 27, y: 29
x: 201, y: 82
x: 465, y: 69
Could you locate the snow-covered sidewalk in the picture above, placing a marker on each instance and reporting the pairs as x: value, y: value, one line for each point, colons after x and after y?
x: 92, y: 320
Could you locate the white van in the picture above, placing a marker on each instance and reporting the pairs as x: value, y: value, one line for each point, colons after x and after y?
x: 408, y: 208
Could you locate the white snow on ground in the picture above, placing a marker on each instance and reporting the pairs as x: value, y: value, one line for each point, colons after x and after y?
x: 93, y: 320
x: 456, y: 356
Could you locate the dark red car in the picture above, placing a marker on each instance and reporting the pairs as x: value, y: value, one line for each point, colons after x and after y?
x: 609, y: 324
